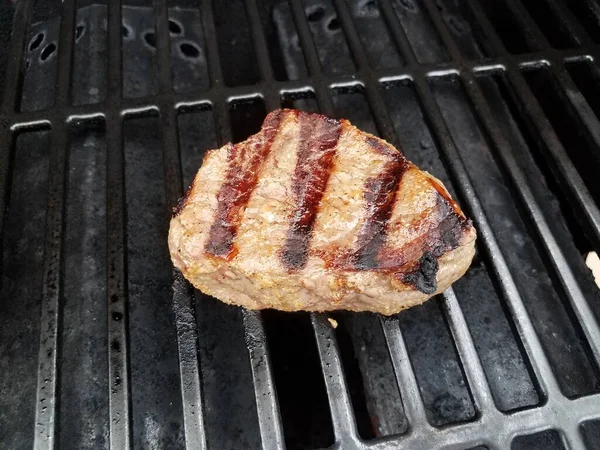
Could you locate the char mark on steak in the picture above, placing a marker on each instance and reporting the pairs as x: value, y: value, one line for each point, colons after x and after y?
x: 317, y: 147
x: 380, y: 195
x: 245, y: 160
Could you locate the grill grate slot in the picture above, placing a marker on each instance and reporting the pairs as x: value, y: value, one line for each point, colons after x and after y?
x: 551, y: 25
x: 423, y: 38
x: 547, y: 439
x: 165, y: 351
x: 588, y: 13
x: 155, y: 396
x: 591, y: 434
x: 300, y: 386
x: 433, y: 356
x: 23, y: 251
x: 329, y: 38
x: 88, y: 81
x: 371, y: 376
x: 84, y: 366
x: 583, y: 148
x: 234, y: 37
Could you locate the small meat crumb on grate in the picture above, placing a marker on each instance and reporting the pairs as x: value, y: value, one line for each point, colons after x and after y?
x: 593, y: 262
x: 333, y: 322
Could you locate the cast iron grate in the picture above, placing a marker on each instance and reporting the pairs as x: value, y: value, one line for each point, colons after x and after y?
x: 525, y: 50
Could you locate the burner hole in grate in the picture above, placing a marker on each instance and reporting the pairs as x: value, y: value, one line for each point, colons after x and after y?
x: 48, y: 51
x: 315, y: 14
x: 175, y: 28
x: 36, y: 42
x: 369, y: 7
x: 150, y: 39
x: 79, y: 30
x: 409, y: 5
x: 189, y: 50
x: 126, y: 31
x: 334, y: 24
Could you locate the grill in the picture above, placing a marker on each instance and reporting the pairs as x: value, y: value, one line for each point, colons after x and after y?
x: 105, y: 113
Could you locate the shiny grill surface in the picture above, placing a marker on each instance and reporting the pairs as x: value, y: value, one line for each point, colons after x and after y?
x: 105, y: 114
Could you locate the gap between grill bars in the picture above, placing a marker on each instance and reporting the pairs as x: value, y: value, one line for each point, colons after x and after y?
x: 491, y: 427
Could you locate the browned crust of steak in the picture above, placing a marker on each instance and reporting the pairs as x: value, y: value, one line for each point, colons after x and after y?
x: 423, y: 249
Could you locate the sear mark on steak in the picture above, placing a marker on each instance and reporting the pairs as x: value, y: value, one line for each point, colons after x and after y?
x: 380, y: 195
x: 241, y: 179
x: 318, y: 141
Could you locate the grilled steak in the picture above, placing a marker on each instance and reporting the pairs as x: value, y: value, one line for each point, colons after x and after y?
x: 313, y: 214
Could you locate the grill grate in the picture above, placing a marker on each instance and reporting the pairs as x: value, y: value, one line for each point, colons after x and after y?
x: 490, y: 427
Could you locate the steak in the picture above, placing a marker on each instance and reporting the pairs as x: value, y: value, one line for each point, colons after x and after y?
x: 313, y: 214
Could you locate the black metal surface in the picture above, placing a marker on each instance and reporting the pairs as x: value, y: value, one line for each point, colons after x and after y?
x: 106, y: 112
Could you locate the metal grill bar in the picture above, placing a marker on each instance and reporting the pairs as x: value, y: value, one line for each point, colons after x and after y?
x: 183, y: 298
x: 47, y: 382
x: 187, y: 341
x: 48, y: 371
x: 118, y: 338
x: 321, y: 87
x: 267, y: 407
x: 342, y: 415
x: 497, y: 433
x: 582, y: 309
x: 573, y: 26
x: 13, y: 75
x: 149, y: 104
x: 579, y: 103
x: 269, y: 419
x: 468, y: 354
x: 12, y: 92
x: 492, y: 428
x: 114, y: 65
x: 580, y: 305
x: 456, y: 166
x: 120, y: 425
x: 499, y: 265
x: 215, y: 73
x: 397, y: 32
x: 270, y: 95
x: 405, y: 376
x: 562, y: 167
x: 533, y: 34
